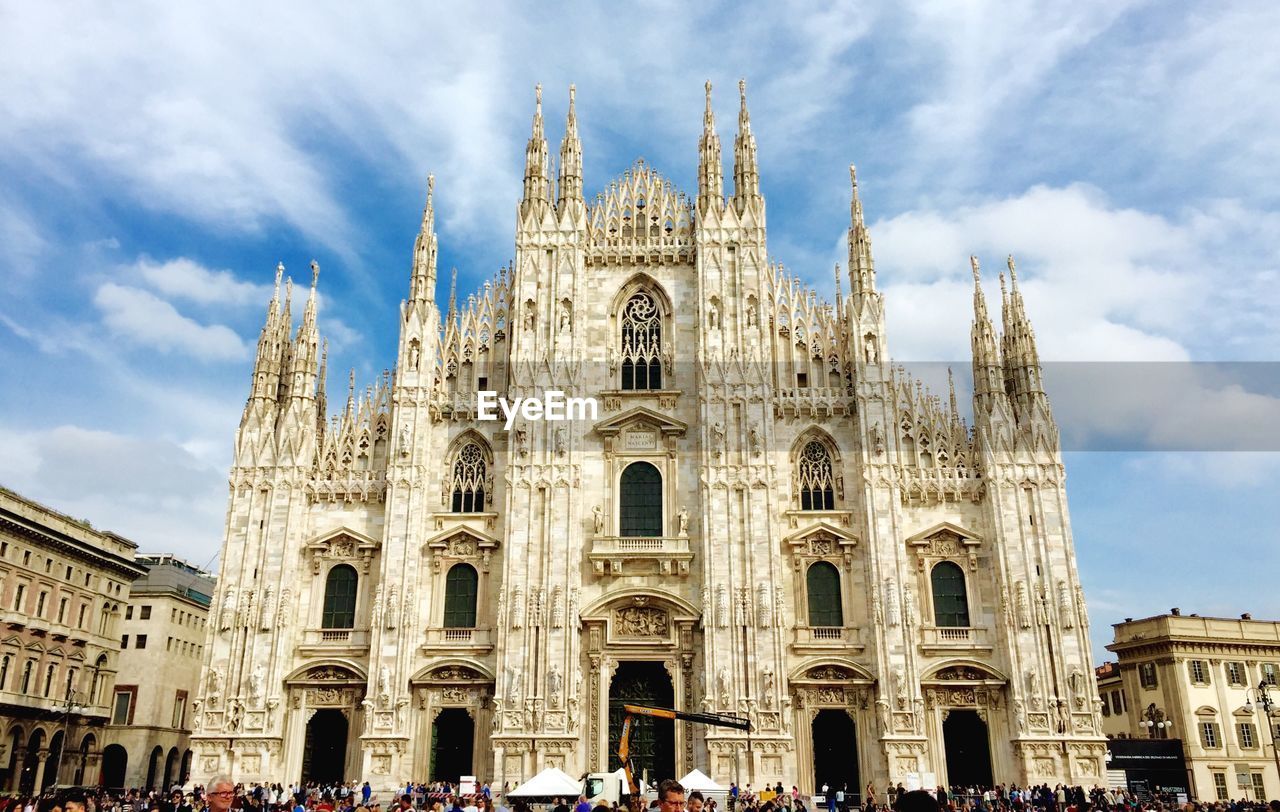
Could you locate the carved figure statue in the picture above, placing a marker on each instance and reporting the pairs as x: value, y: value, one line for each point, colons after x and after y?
x: 256, y: 682
x: 722, y: 681
x: 384, y: 683
x: 404, y: 440
x: 767, y: 687
x: 872, y: 352
x: 597, y: 519
x: 683, y: 517
x: 237, y: 715
x: 713, y: 316
x: 753, y: 436
x: 566, y: 317
x: 513, y: 685
x: 214, y: 681
x: 555, y: 684
x: 522, y: 442
x: 560, y: 441
x: 891, y: 601
x: 752, y: 315
x: 228, y: 611
x: 413, y: 355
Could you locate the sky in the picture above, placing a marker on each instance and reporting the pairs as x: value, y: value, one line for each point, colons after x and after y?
x: 156, y: 164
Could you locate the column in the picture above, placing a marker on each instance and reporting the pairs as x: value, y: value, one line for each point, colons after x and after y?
x: 44, y: 757
x: 19, y: 757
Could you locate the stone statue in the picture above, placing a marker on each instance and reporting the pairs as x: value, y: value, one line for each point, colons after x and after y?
x: 404, y: 440
x: 522, y: 442
x: 1066, y: 612
x: 228, y: 618
x: 560, y: 441
x: 683, y: 517
x: 597, y: 519
x: 767, y: 687
x: 384, y: 684
x: 891, y: 601
x: 909, y: 606
x: 214, y: 681
x: 555, y: 684
x: 513, y: 685
x: 872, y: 354
x: 367, y: 705
x: 752, y: 316
x: 713, y: 316
x: 900, y: 687
x: 413, y: 354
x: 237, y: 715
x: 566, y: 317
x: 256, y: 681
x: 753, y: 436
x: 886, y: 718
x: 717, y: 440
x: 722, y: 681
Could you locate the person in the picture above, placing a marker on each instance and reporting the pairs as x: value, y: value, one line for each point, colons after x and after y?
x: 220, y: 793
x: 365, y: 792
x: 560, y: 806
x: 671, y: 796
x: 74, y: 801
x: 918, y: 800
x: 695, y: 802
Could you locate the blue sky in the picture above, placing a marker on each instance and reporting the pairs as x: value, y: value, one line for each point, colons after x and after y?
x: 155, y: 165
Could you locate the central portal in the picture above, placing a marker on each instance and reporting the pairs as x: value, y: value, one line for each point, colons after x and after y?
x: 652, y: 740
x: 968, y: 749
x: 325, y: 752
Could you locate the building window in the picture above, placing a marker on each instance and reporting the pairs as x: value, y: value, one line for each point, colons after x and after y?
x: 68, y: 573
x: 460, y: 597
x: 816, y: 478
x: 124, y: 641
x: 1248, y: 736
x: 62, y: 610
x: 1209, y: 735
x: 144, y: 612
x: 1220, y: 786
x: 140, y: 641
x: 1199, y: 672
x: 1235, y: 674
x: 640, y: 505
x: 1259, y: 789
x: 180, y: 710
x: 950, y: 600
x: 1269, y: 673
x: 26, y: 558
x: 1147, y: 675
x: 1106, y: 706
x: 340, y: 598
x: 27, y: 668
x: 84, y: 607
x: 641, y: 343
x: 48, y: 679
x: 1117, y: 701
x: 122, y: 711
x: 40, y: 601
x: 4, y: 672
x: 19, y: 597
x: 823, y: 582
x: 468, y: 480
x: 128, y: 613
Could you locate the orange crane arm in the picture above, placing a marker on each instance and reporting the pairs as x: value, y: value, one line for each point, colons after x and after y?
x: 631, y: 711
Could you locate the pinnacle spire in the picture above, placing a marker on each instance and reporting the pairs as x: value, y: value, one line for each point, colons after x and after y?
x: 839, y: 300
x: 309, y: 315
x: 570, y: 157
x: 862, y: 268
x: 988, y: 378
x: 951, y: 390
x: 536, y: 176
x: 422, y: 284
x: 1021, y: 358
x: 710, y: 163
x: 746, y: 172
x: 453, y: 294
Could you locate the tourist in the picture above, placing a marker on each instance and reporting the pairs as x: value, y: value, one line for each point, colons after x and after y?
x: 695, y: 801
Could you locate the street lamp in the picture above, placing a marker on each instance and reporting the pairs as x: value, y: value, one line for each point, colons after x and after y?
x: 1263, y: 695
x: 69, y: 706
x: 1154, y: 723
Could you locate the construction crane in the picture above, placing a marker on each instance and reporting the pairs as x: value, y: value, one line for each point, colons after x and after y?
x: 624, y: 740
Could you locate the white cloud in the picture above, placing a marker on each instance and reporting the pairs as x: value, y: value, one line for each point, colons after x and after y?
x: 149, y: 490
x: 185, y: 278
x: 150, y: 321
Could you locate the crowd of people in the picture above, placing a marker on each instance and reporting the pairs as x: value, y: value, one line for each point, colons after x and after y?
x: 223, y: 795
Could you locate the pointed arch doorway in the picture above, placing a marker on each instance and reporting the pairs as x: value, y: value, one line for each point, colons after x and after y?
x: 652, y: 740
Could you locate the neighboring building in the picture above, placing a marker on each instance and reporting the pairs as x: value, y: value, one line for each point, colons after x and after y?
x: 65, y: 586
x: 766, y: 517
x: 1198, y: 679
x: 163, y: 632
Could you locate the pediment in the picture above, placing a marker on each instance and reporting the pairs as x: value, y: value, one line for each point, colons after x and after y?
x: 637, y: 418
x: 822, y: 531
x: 342, y: 544
x: 944, y: 532
x: 341, y: 534
x: 459, y: 538
x: 13, y: 640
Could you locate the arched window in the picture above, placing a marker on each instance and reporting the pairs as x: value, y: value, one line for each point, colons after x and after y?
x: 825, y: 608
x: 468, y: 480
x: 641, y: 343
x: 4, y: 673
x: 950, y: 600
x: 815, y: 478
x: 640, y: 505
x: 460, y: 597
x: 26, y: 676
x: 340, y: 598
x: 48, y: 679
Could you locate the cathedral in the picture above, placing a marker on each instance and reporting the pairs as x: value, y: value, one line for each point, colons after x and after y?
x: 764, y: 517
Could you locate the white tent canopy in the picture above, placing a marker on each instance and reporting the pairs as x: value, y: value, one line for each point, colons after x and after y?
x: 621, y: 775
x: 550, y: 783
x: 698, y: 780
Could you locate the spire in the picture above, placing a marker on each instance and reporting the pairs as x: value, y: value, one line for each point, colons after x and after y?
x: 422, y: 285
x: 536, y: 177
x: 453, y: 295
x: 746, y: 174
x: 951, y: 390
x: 350, y: 412
x: 322, y: 384
x: 309, y: 315
x: 710, y: 165
x: 988, y: 380
x: 570, y: 157
x: 1021, y: 358
x: 839, y: 299
x: 862, y: 268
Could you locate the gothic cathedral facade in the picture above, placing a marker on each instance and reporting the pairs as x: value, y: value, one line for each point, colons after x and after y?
x: 765, y: 518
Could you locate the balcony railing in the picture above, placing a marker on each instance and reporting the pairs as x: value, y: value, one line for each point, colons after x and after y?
x: 954, y: 637
x: 336, y: 638
x: 459, y: 638
x: 827, y: 638
x: 616, y: 555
